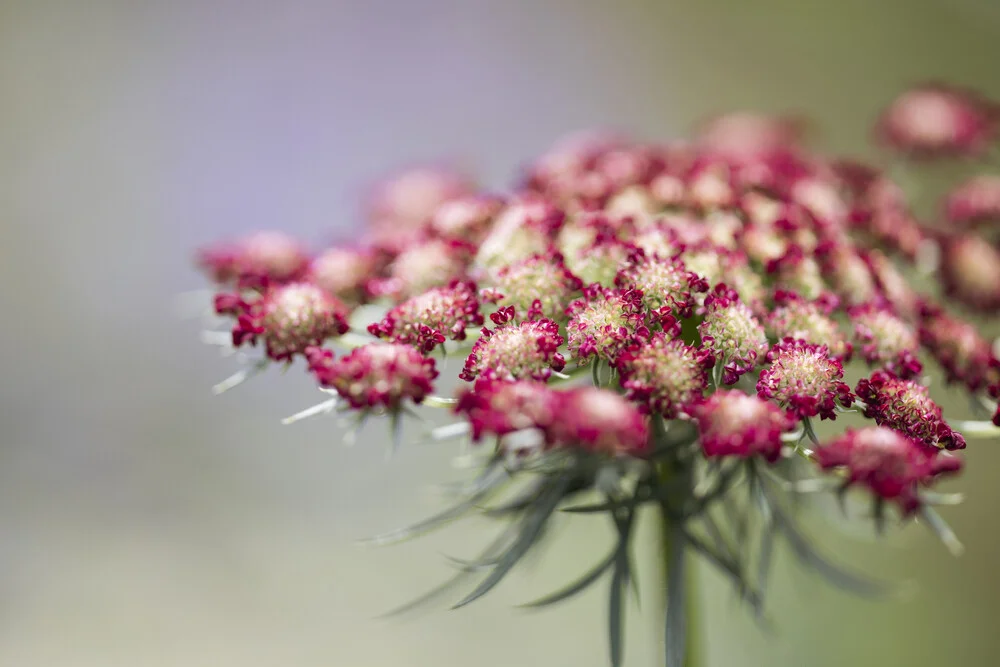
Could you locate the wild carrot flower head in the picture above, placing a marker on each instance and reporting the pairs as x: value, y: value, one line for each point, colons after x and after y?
x: 886, y: 340
x: 540, y: 286
x: 935, y: 119
x: 970, y: 272
x: 732, y: 333
x: 512, y: 351
x: 424, y: 265
x: 974, y: 202
x: 599, y: 420
x: 892, y: 465
x: 809, y: 321
x: 426, y: 320
x: 604, y: 322
x: 665, y: 283
x: 959, y: 348
x: 526, y: 227
x: 344, y: 272
x: 467, y: 218
x: 500, y: 407
x: 907, y: 407
x: 665, y: 375
x: 732, y: 423
x: 804, y: 379
x: 846, y: 272
x: 289, y: 319
x: 258, y: 260
x: 378, y: 375
x: 796, y: 272
x: 401, y: 203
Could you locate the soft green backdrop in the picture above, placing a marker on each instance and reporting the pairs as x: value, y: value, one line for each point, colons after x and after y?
x: 146, y: 523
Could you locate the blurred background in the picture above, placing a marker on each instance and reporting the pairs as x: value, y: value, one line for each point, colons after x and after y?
x: 144, y: 522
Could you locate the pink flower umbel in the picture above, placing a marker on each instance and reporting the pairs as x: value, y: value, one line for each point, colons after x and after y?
x: 683, y: 275
x: 599, y: 420
x: 289, y: 319
x: 907, y: 407
x: 500, y: 407
x: 426, y: 320
x: 809, y: 321
x: 664, y: 375
x: 974, y: 202
x: 892, y: 465
x: 804, y: 379
x: 732, y: 333
x: 886, y: 340
x: 732, y: 423
x: 604, y: 322
x: 937, y: 120
x: 379, y: 375
x: 538, y: 286
x: 512, y: 351
x: 970, y: 272
x: 666, y: 284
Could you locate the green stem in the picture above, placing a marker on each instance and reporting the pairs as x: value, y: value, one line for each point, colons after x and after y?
x: 670, y: 533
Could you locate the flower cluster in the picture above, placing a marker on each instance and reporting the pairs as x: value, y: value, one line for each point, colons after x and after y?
x: 708, y: 295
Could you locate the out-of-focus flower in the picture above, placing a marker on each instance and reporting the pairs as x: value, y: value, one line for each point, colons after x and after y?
x: 344, y: 272
x: 731, y: 423
x: 892, y: 465
x: 935, y: 119
x: 424, y: 265
x: 886, y: 340
x: 599, y: 420
x: 809, y: 321
x: 970, y: 272
x: 974, y: 201
x: 401, y: 204
x: 259, y: 260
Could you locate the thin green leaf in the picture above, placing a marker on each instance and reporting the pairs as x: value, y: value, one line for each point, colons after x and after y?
x: 576, y: 587
x: 727, y: 567
x: 490, y: 552
x: 768, y: 534
x: 808, y: 555
x: 434, y: 522
x: 531, y: 528
x: 615, y: 614
x: 516, y: 504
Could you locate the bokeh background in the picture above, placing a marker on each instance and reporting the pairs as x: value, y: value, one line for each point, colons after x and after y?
x: 144, y: 522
